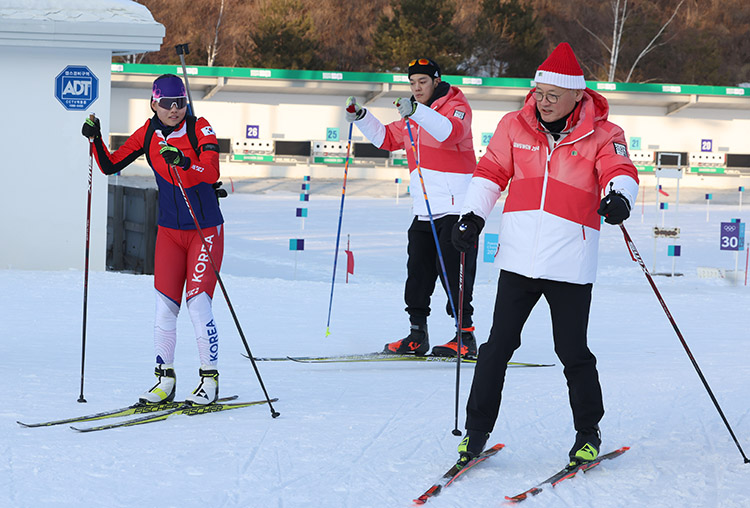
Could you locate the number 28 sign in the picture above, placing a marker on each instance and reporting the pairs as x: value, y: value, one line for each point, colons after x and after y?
x: 732, y: 236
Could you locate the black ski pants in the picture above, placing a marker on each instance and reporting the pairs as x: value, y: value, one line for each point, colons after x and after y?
x: 423, y: 269
x: 569, y: 306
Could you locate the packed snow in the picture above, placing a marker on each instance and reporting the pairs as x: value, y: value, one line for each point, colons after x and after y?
x: 377, y: 434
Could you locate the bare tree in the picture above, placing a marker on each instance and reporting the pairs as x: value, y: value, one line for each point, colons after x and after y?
x: 620, y: 12
x: 134, y: 58
x: 212, y: 49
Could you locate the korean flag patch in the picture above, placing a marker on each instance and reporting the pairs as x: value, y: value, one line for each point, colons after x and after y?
x: 621, y: 149
x: 208, y: 131
x: 459, y: 114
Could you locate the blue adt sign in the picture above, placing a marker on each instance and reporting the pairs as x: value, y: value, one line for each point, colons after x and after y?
x: 76, y: 87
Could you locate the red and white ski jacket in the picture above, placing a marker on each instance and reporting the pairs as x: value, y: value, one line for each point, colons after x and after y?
x: 550, y: 227
x: 443, y: 140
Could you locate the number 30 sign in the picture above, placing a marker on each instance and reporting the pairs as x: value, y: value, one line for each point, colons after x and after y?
x: 732, y: 236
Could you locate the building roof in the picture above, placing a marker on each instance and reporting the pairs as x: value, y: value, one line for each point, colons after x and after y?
x: 122, y: 26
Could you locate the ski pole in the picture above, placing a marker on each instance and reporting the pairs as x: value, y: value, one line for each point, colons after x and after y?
x: 81, y: 398
x: 338, y: 233
x: 432, y: 225
x: 637, y: 257
x: 274, y: 413
x: 459, y: 337
x: 182, y: 50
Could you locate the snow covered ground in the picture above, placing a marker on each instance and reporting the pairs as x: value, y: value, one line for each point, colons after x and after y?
x: 377, y: 434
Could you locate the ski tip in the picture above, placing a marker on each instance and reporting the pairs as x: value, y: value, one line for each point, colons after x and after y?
x: 328, y: 331
x: 433, y: 491
x: 23, y: 424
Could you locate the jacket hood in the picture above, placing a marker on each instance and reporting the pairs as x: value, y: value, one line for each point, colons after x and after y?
x: 594, y: 109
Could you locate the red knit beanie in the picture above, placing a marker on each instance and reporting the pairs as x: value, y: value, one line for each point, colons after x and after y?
x: 561, y: 69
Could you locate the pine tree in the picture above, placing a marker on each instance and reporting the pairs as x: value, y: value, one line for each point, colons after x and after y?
x: 284, y: 37
x: 507, y: 41
x: 416, y: 28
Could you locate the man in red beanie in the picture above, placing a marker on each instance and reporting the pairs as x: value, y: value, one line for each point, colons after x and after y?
x: 560, y: 152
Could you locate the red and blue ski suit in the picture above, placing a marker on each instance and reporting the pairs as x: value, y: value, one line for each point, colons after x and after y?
x: 180, y: 257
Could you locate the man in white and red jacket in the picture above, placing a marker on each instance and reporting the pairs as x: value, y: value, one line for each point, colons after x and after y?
x: 557, y: 155
x: 440, y: 120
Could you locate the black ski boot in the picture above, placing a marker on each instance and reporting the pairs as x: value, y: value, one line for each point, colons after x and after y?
x: 586, y: 447
x: 417, y: 342
x: 471, y: 446
x: 468, y: 345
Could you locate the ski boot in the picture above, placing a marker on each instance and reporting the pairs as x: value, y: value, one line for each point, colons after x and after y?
x: 164, y: 389
x: 468, y: 345
x: 586, y: 447
x: 208, y: 389
x: 417, y: 342
x: 471, y: 446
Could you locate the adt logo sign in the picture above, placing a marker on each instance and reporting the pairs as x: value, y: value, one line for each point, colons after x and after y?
x: 76, y: 87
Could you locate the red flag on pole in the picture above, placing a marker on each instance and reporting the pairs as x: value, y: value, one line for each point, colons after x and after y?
x: 349, y: 260
x: 662, y: 192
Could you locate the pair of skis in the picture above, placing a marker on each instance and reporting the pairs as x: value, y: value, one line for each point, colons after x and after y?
x: 385, y: 357
x: 566, y: 473
x: 149, y: 413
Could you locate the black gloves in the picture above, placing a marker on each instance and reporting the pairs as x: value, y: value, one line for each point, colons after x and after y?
x: 91, y: 128
x: 174, y: 157
x: 614, y: 207
x: 220, y: 193
x: 466, y: 232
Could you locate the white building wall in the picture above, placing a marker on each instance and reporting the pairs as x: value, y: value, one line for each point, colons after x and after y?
x: 306, y: 117
x: 45, y: 163
x: 44, y: 168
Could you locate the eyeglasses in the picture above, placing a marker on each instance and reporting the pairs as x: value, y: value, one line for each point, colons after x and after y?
x: 421, y: 61
x: 551, y: 98
x: 169, y: 102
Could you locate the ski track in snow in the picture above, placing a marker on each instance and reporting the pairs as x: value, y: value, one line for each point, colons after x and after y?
x: 374, y: 435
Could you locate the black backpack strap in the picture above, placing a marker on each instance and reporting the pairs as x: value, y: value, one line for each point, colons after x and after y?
x: 190, y: 128
x: 147, y: 141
